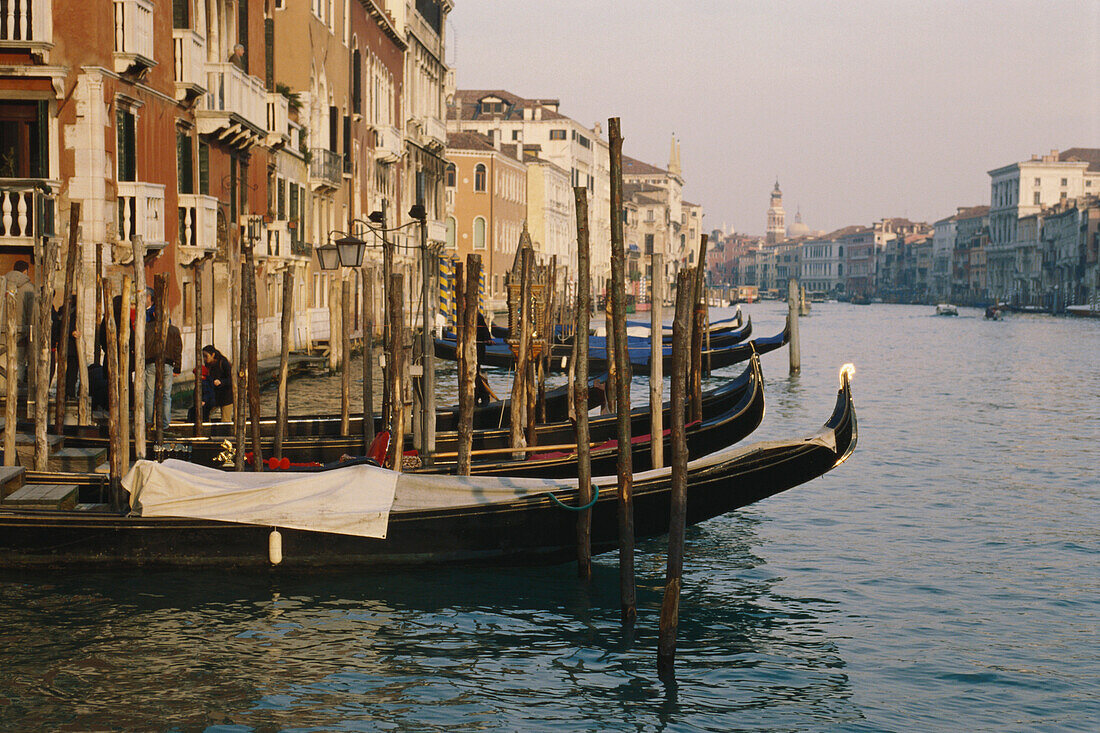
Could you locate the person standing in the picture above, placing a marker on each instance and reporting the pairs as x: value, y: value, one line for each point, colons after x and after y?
x: 173, y: 360
x: 220, y: 374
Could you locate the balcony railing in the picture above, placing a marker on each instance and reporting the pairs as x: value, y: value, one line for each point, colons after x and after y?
x: 437, y: 231
x: 388, y: 143
x: 435, y: 130
x: 325, y: 167
x: 26, y: 22
x: 26, y: 209
x: 278, y: 118
x: 198, y: 221
x: 300, y: 247
x: 234, y: 92
x: 141, y: 211
x: 133, y: 34
x: 190, y: 62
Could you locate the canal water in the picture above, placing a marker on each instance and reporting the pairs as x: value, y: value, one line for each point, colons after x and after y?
x: 947, y: 577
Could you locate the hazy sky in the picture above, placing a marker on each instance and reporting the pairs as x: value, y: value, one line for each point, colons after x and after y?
x: 863, y: 109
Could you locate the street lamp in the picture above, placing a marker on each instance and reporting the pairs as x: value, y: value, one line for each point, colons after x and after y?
x: 328, y: 257
x: 350, y: 249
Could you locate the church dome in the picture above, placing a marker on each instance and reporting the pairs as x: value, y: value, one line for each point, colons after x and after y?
x: 797, y: 229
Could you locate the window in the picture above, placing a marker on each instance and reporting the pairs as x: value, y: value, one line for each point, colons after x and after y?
x: 280, y: 197
x: 204, y: 168
x: 1038, y: 181
x: 649, y: 244
x: 515, y: 134
x: 185, y: 163
x: 451, y: 175
x: 181, y: 13
x: 479, y: 233
x: 1065, y: 181
x: 557, y: 134
x: 1088, y: 184
x: 124, y: 129
x: 356, y: 82
x: 1037, y: 200
x: 492, y: 107
x: 23, y: 150
x: 479, y: 177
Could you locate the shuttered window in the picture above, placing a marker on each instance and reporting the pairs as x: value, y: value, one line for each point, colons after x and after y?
x: 356, y: 82
x: 204, y: 169
x: 127, y: 156
x: 185, y: 163
x: 181, y: 13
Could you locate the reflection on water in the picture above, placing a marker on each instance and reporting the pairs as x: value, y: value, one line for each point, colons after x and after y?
x: 944, y: 578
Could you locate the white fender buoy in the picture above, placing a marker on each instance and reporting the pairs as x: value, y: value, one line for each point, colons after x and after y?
x: 275, y: 547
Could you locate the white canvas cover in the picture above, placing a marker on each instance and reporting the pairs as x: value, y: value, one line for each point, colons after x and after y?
x: 355, y: 500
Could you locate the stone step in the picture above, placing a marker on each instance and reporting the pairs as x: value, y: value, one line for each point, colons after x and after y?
x: 11, y: 479
x: 43, y: 496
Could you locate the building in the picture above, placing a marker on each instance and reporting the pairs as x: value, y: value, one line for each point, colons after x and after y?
x: 551, y: 217
x: 856, y: 245
x: 490, y: 206
x: 821, y: 267
x: 1023, y: 189
x: 777, y: 228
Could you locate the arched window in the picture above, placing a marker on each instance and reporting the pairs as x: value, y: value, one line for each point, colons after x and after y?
x: 479, y: 177
x: 479, y: 232
x: 451, y: 175
x: 450, y: 232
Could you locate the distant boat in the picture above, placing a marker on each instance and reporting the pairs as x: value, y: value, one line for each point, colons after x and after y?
x: 993, y: 313
x: 946, y: 309
x: 1084, y: 311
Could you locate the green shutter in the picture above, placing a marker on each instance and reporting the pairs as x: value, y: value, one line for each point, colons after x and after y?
x: 204, y: 169
x: 181, y: 13
x: 40, y: 166
x: 269, y: 53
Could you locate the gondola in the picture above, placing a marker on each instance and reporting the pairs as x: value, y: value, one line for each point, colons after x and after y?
x: 429, y: 520
x: 730, y: 413
x: 499, y: 355
x: 727, y: 331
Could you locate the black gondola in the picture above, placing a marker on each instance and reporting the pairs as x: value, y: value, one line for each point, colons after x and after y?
x: 527, y: 526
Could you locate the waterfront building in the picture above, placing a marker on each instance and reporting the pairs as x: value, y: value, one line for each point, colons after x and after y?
x: 856, y: 245
x: 821, y: 267
x: 1068, y: 253
x: 489, y: 183
x: 511, y: 119
x: 969, y: 267
x: 551, y: 217
x: 691, y: 230
x: 1022, y: 189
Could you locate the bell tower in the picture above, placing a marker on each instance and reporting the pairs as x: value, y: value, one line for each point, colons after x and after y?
x: 777, y: 219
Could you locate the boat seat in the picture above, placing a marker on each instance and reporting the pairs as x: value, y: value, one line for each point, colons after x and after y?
x: 11, y: 479
x: 43, y: 496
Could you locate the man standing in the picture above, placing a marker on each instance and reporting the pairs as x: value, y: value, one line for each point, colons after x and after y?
x: 173, y: 360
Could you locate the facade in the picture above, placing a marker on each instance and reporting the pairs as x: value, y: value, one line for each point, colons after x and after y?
x: 551, y: 217
x: 490, y: 207
x: 822, y: 265
x: 856, y: 245
x: 777, y: 228
x: 1023, y: 189
x: 969, y: 280
x: 509, y: 119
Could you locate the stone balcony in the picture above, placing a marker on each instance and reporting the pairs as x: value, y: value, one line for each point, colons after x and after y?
x: 133, y: 21
x: 27, y: 24
x: 389, y: 144
x: 26, y: 210
x: 325, y: 169
x: 235, y: 107
x: 141, y: 212
x: 198, y: 222
x: 434, y: 131
x: 278, y: 119
x: 190, y: 63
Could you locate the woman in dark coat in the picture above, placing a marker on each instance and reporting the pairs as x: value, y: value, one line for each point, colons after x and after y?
x: 219, y: 372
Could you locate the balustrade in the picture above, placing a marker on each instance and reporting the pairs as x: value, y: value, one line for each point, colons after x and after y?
x: 133, y: 33
x: 325, y: 167
x: 233, y: 91
x: 26, y: 209
x: 198, y: 221
x: 141, y: 211
x: 190, y: 61
x: 26, y: 21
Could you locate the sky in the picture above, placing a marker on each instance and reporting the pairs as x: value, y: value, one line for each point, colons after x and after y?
x: 862, y: 109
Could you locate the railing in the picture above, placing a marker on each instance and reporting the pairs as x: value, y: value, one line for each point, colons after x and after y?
x: 133, y: 32
x: 388, y: 143
x: 276, y: 240
x: 234, y: 92
x: 325, y: 167
x: 198, y: 221
x: 435, y: 129
x: 190, y: 59
x: 141, y: 211
x: 28, y: 21
x: 278, y: 115
x: 437, y: 231
x: 301, y: 248
x: 26, y: 209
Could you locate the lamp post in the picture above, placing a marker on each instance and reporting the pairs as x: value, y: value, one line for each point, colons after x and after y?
x: 345, y: 252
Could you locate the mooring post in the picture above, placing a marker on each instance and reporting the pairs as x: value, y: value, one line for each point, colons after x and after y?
x: 395, y: 367
x: 580, y: 388
x: 345, y: 356
x: 367, y: 275
x: 284, y: 361
x: 82, y: 393
x: 611, y: 391
x: 695, y: 380
x: 518, y: 412
x: 468, y: 364
x: 460, y: 357
x: 11, y: 398
x: 67, y: 317
x: 99, y: 307
x: 160, y: 285
x: 792, y: 320
x: 140, y: 418
x: 128, y: 372
x: 197, y: 271
x: 656, y: 361
x: 670, y: 608
x: 46, y: 251
x: 429, y: 267
x: 114, y: 366
x: 240, y: 369
x: 627, y: 597
x: 253, y: 365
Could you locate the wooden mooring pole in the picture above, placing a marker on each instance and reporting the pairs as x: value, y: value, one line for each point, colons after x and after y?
x: 627, y: 595
x: 67, y: 317
x: 281, y: 410
x: 463, y: 373
x: 367, y: 276
x: 46, y: 253
x: 345, y: 356
x: 695, y: 378
x: 253, y: 364
x: 670, y: 607
x: 240, y: 370
x: 160, y: 293
x: 114, y: 366
x: 518, y: 413
x: 395, y: 367
x: 792, y: 319
x: 196, y: 276
x: 468, y: 365
x: 140, y: 418
x: 83, y: 393
x: 130, y: 366
x: 11, y: 398
x: 656, y: 361
x: 580, y: 388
